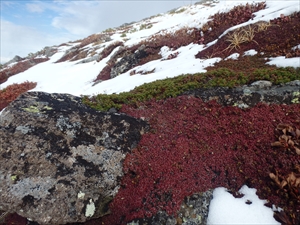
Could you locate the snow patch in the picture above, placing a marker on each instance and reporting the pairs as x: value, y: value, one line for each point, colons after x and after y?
x: 226, y: 209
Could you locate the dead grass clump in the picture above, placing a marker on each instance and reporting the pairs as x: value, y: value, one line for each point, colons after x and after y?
x: 240, y: 36
x: 289, y: 139
x: 222, y: 21
x: 275, y: 38
x: 288, y: 186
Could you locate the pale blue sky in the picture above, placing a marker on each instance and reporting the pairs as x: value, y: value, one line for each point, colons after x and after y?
x: 28, y: 26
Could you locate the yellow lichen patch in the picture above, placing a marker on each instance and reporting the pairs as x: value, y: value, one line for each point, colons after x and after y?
x: 36, y: 109
x: 296, y: 94
x: 14, y: 178
x: 32, y: 109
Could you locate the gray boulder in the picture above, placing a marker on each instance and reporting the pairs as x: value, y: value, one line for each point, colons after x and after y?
x: 61, y: 161
x: 128, y: 62
x: 49, y: 51
x: 14, y: 60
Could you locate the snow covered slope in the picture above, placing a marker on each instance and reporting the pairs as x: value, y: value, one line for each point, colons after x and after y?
x: 77, y: 78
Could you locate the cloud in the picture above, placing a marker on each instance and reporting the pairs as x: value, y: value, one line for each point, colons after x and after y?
x: 35, y: 8
x: 7, y: 4
x: 22, y: 40
x: 84, y: 18
x: 79, y: 18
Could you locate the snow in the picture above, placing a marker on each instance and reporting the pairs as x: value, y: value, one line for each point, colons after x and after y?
x: 233, y: 56
x: 226, y: 209
x: 250, y: 52
x: 77, y: 79
x: 281, y: 61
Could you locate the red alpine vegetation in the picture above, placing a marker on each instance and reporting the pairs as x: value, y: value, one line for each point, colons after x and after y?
x: 11, y: 92
x: 193, y: 146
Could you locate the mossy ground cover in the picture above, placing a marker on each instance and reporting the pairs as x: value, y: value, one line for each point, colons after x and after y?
x: 194, y: 146
x: 226, y: 73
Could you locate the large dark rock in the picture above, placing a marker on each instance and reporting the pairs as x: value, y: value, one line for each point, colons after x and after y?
x: 61, y: 161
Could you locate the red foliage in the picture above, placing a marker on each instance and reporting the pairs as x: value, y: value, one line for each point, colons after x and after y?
x: 92, y: 39
x: 70, y: 55
x: 267, y: 41
x: 104, y: 73
x: 109, y: 49
x: 194, y: 146
x: 11, y: 92
x: 15, y: 219
x: 222, y: 21
x: 19, y: 67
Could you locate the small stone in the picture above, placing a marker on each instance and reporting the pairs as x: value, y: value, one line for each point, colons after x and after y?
x: 294, y: 83
x: 261, y: 84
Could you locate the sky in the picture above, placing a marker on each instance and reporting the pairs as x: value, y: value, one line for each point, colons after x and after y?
x: 29, y: 26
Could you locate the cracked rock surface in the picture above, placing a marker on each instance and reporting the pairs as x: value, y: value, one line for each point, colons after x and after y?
x: 60, y: 161
x: 249, y: 95
x: 193, y: 211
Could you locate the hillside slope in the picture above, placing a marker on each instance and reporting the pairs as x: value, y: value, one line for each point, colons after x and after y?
x: 202, y: 144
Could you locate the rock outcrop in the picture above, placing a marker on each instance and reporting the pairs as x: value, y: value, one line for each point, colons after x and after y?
x: 249, y: 95
x: 15, y: 59
x: 193, y: 211
x: 128, y: 62
x: 61, y: 161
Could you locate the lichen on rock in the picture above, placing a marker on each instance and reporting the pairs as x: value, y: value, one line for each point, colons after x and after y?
x: 55, y: 151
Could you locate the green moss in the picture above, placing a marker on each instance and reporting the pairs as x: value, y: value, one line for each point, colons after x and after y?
x: 278, y: 75
x: 172, y: 87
